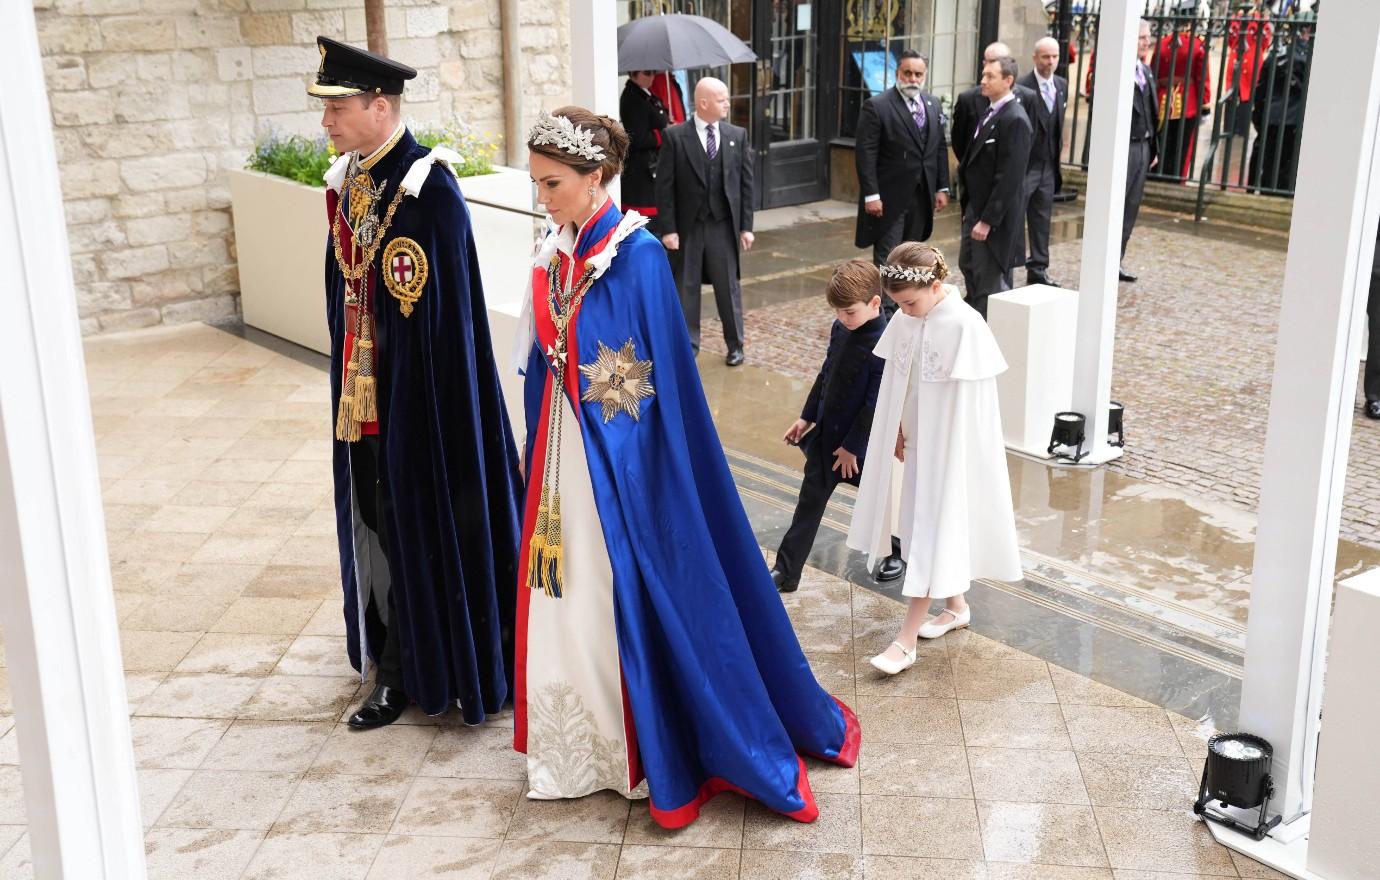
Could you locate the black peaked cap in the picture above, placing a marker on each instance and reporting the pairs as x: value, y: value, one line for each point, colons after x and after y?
x: 347, y: 70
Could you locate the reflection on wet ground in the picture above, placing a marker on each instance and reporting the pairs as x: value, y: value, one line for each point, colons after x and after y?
x: 1138, y: 584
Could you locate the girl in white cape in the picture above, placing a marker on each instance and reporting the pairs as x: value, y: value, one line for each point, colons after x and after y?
x: 937, y: 412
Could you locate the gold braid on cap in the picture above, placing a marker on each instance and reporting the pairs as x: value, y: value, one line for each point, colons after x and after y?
x: 923, y: 275
x: 560, y: 132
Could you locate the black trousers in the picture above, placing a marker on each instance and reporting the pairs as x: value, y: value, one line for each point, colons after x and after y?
x: 817, y: 485
x: 984, y: 273
x: 1138, y: 166
x: 1039, y: 212
x: 709, y: 253
x: 376, y: 511
x: 1371, y: 380
x: 906, y: 227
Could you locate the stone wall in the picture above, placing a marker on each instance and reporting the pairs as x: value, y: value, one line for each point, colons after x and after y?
x: 153, y: 99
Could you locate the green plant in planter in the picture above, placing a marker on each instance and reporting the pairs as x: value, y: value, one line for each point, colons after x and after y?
x: 295, y: 157
x: 476, y: 150
x: 306, y: 160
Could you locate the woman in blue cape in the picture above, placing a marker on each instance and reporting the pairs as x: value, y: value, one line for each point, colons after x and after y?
x: 651, y: 643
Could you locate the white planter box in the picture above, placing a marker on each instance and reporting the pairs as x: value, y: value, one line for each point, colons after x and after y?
x: 281, y: 235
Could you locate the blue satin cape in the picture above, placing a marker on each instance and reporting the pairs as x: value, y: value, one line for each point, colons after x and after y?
x: 722, y: 697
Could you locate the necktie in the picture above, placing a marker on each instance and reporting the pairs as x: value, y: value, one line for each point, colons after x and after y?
x: 1140, y: 76
x: 991, y: 111
x: 1048, y: 88
x: 711, y: 146
x: 917, y: 112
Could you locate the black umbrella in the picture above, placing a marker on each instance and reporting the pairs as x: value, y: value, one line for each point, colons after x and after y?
x: 678, y: 42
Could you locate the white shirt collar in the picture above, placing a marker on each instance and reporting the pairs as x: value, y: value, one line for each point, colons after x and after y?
x: 701, y: 125
x: 1044, y: 80
x: 1010, y: 96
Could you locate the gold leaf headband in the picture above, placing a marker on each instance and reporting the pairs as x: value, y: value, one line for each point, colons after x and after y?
x: 560, y: 132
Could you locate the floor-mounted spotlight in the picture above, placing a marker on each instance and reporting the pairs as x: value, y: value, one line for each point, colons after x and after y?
x: 1068, y: 433
x: 1237, y: 774
x: 1115, y: 411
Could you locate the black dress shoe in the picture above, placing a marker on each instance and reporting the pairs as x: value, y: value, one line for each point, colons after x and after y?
x: 384, y: 706
x: 735, y: 357
x: 783, y: 583
x: 1040, y: 278
x: 1371, y: 409
x: 890, y: 568
x: 1124, y: 275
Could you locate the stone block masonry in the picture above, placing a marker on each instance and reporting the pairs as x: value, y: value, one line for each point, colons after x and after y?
x: 152, y: 100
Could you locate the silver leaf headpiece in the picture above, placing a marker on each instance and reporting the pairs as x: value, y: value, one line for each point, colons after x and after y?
x: 559, y: 131
x: 917, y: 274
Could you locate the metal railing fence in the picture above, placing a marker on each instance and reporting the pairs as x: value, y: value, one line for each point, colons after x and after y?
x: 1232, y: 89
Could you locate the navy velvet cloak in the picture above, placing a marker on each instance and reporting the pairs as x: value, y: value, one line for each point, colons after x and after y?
x: 447, y: 461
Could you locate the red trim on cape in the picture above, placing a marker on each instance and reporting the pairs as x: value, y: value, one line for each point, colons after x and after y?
x: 524, y: 597
x: 644, y: 210
x: 690, y: 811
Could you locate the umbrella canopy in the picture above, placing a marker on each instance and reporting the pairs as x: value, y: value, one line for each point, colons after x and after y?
x: 678, y: 42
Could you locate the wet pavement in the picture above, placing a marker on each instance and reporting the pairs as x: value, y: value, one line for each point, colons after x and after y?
x: 1058, y: 738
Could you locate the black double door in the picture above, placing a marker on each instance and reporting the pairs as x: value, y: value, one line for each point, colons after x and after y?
x: 793, y: 99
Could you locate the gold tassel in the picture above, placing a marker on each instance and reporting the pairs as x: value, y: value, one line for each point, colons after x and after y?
x: 538, y: 543
x: 554, y: 555
x: 346, y: 428
x: 366, y: 390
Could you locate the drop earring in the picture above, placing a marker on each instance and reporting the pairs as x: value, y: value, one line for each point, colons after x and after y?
x: 593, y: 203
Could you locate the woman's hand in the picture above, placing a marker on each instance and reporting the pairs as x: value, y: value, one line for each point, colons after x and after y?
x: 846, y: 463
x: 900, y: 446
x: 796, y: 431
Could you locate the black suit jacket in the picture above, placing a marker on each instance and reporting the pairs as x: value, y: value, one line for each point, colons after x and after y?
x: 971, y: 105
x: 1048, y: 127
x: 682, y: 174
x: 844, y: 397
x: 645, y: 119
x: 893, y: 159
x: 992, y: 175
x: 1145, y: 112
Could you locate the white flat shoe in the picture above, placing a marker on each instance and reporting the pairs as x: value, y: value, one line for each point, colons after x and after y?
x: 933, y: 629
x: 885, y: 664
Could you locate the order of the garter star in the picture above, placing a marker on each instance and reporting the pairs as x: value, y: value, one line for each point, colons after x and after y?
x: 618, y: 381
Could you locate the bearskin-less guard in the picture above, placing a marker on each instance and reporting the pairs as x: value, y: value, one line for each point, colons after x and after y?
x: 651, y: 642
x: 426, y: 477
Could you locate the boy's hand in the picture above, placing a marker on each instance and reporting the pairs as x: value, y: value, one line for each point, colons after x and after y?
x: 900, y: 446
x: 796, y: 431
x: 846, y: 463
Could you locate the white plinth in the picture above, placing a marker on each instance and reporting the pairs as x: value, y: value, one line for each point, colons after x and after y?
x: 1035, y: 328
x: 1343, y: 844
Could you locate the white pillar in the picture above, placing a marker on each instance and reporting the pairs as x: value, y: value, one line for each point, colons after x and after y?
x: 1117, y: 29
x: 56, y: 605
x: 594, y: 61
x: 1309, y: 429
x: 594, y: 55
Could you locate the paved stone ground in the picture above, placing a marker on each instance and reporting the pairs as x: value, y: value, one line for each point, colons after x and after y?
x: 981, y: 763
x: 1193, y: 365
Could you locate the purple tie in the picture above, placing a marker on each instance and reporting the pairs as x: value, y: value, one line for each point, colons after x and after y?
x: 992, y: 111
x: 918, y: 113
x: 1140, y: 76
x: 711, y: 146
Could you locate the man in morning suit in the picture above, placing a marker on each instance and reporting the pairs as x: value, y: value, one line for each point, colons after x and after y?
x: 704, y: 210
x: 970, y: 105
x: 1144, y: 122
x: 992, y: 180
x: 1042, y: 177
x: 903, y: 164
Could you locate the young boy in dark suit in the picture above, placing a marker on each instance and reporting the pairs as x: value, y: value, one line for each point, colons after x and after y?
x: 833, y: 428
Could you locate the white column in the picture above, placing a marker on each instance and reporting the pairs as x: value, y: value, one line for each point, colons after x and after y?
x: 56, y: 605
x: 1117, y: 30
x: 594, y: 60
x: 594, y: 55
x: 1309, y: 429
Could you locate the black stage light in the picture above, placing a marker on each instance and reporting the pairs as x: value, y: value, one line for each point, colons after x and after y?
x: 1237, y: 774
x: 1068, y: 433
x: 1114, y: 413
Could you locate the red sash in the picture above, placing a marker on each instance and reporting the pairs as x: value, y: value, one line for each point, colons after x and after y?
x: 347, y: 241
